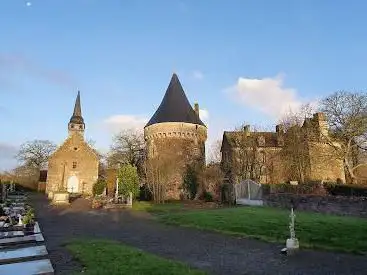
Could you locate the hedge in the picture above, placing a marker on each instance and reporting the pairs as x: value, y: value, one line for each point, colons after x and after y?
x: 316, y: 188
x: 346, y: 190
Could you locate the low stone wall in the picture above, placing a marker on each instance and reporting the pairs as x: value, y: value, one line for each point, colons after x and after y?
x: 351, y: 206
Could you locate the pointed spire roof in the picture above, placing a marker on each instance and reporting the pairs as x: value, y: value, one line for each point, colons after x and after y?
x: 175, y: 106
x: 77, y: 114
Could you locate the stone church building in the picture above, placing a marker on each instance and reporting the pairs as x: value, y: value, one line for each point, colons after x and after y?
x: 175, y: 137
x: 73, y: 167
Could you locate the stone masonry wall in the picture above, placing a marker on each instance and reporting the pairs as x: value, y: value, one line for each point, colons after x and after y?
x: 73, y: 150
x: 345, y: 206
x: 170, y: 147
x: 324, y: 164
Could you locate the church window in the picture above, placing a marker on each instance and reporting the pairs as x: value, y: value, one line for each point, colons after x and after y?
x: 74, y: 164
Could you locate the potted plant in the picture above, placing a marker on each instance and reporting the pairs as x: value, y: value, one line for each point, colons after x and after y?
x: 28, y: 220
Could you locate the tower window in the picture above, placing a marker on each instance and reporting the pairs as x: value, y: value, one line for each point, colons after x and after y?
x: 81, y: 127
x: 74, y: 164
x: 72, y: 126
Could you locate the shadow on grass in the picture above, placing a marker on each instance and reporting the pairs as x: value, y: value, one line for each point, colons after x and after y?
x: 108, y: 257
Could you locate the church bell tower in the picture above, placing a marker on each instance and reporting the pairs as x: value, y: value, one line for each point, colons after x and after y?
x: 76, y: 123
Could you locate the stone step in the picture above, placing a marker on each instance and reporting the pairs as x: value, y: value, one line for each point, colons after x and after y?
x: 22, y: 254
x: 37, y: 267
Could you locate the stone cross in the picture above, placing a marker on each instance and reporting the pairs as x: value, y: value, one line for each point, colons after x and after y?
x: 291, y: 225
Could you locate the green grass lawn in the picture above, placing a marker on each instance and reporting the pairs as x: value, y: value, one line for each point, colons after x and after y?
x: 106, y: 257
x: 270, y: 224
x: 158, y: 208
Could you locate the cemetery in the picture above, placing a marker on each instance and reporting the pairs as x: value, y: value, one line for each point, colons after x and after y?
x: 22, y: 246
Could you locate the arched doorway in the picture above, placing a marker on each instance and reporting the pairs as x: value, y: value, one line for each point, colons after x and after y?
x: 73, y: 184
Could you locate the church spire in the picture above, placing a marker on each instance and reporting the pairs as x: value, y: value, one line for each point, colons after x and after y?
x: 77, y: 114
x: 76, y: 123
x: 77, y: 107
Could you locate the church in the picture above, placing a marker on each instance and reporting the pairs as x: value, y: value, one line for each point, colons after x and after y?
x: 73, y: 167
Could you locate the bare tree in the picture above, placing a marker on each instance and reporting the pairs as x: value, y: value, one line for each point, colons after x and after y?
x: 215, y: 155
x: 35, y: 153
x: 297, y: 117
x: 249, y: 161
x: 165, y: 167
x: 160, y: 168
x: 127, y: 147
x: 347, y: 117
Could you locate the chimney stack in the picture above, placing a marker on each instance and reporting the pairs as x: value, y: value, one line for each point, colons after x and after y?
x: 196, y: 109
x: 279, y: 129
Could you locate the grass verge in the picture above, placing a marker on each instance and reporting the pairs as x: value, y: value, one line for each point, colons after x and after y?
x: 313, y: 230
x: 106, y: 257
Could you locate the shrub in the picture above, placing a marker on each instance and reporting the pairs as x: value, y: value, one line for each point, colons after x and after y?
x: 145, y: 194
x: 311, y: 187
x: 99, y: 187
x: 190, y: 182
x: 97, y: 203
x: 128, y: 180
x: 346, y: 189
x: 207, y: 196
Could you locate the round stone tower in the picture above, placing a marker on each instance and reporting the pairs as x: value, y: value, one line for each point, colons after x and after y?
x: 175, y: 139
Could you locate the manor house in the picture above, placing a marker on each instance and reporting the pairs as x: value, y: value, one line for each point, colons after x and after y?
x: 302, y: 153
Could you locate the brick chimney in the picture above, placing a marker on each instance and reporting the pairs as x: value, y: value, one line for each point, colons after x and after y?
x: 319, y: 120
x: 196, y: 109
x: 246, y: 129
x: 279, y: 128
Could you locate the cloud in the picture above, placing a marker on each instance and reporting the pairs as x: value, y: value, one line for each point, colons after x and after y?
x: 15, y: 63
x: 197, y: 75
x: 204, y: 114
x: 117, y: 123
x: 7, y: 156
x: 269, y: 95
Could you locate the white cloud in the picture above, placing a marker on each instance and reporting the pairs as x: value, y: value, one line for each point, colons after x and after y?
x: 117, y: 123
x: 268, y: 95
x: 197, y: 75
x: 204, y: 115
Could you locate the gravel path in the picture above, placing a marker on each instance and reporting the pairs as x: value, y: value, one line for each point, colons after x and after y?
x: 216, y: 253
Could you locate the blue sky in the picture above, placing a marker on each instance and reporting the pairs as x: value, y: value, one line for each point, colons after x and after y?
x: 243, y: 61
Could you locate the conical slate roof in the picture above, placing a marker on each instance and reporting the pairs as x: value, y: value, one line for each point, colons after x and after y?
x: 175, y: 106
x: 77, y: 114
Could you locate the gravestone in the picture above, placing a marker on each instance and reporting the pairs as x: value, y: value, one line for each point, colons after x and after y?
x: 11, y: 234
x: 38, y: 267
x: 36, y: 238
x: 13, y: 255
x: 60, y: 198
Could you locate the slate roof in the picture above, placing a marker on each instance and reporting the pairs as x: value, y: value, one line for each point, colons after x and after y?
x: 235, y: 138
x: 77, y: 114
x: 175, y: 106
